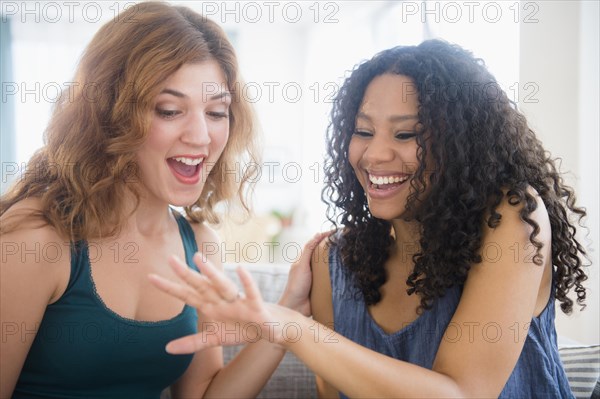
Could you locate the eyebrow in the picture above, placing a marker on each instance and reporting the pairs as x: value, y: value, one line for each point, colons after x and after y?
x: 393, y: 118
x: 173, y: 93
x: 182, y: 95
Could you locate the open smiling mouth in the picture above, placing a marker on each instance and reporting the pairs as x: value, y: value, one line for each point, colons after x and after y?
x: 386, y: 182
x: 186, y: 170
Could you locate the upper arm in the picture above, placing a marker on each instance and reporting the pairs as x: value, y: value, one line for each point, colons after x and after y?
x: 206, y: 363
x: 34, y: 271
x: 320, y: 294
x: 497, y: 305
x: 321, y: 304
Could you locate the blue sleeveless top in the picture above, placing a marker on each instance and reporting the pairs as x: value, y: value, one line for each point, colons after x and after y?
x: 538, y: 373
x: 85, y: 350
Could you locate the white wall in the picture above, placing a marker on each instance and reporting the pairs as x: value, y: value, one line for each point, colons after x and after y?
x: 559, y: 59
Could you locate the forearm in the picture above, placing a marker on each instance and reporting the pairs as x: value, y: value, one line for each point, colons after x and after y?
x: 247, y: 373
x: 348, y: 366
x: 254, y: 364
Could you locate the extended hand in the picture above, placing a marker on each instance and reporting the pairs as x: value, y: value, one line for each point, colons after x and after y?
x: 218, y: 298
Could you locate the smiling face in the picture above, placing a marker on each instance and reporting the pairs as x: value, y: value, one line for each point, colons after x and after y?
x: 383, y: 148
x: 188, y: 132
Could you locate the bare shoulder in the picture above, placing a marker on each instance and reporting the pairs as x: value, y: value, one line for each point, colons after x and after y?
x: 208, y: 241
x: 515, y: 249
x: 24, y: 214
x: 204, y: 233
x: 320, y: 256
x: 31, y: 229
x: 34, y: 252
x: 520, y: 228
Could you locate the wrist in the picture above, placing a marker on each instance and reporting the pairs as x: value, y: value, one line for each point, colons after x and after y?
x: 286, y: 327
x: 285, y: 301
x: 300, y: 306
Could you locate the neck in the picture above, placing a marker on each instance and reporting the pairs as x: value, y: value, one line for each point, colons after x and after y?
x: 406, y: 235
x: 149, y: 218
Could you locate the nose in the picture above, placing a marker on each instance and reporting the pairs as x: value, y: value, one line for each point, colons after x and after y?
x: 379, y: 150
x: 196, y: 132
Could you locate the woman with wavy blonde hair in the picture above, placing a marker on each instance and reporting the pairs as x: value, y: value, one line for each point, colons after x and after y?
x: 154, y: 121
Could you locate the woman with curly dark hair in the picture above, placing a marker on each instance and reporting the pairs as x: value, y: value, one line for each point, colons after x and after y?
x: 455, y: 240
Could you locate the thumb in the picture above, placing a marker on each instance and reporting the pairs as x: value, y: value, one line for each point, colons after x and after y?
x: 191, y: 343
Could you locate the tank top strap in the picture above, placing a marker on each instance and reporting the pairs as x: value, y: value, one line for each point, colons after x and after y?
x: 349, y: 310
x: 80, y: 280
x: 341, y: 280
x: 188, y: 237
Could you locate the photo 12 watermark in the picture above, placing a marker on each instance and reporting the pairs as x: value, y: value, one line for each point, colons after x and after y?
x: 251, y: 12
x: 455, y: 12
x: 54, y: 12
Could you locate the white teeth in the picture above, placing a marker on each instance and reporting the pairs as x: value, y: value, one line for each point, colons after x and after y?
x: 379, y: 180
x: 189, y: 161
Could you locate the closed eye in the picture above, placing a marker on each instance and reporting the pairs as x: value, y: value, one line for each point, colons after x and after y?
x: 405, y: 135
x: 218, y: 115
x: 362, y: 133
x: 167, y: 113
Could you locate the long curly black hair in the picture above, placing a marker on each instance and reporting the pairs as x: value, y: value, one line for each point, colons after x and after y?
x: 482, y: 150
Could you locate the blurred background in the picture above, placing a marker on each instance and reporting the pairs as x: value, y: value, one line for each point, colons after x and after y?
x: 294, y: 56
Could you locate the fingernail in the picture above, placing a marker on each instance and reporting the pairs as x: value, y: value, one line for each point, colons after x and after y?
x: 169, y: 349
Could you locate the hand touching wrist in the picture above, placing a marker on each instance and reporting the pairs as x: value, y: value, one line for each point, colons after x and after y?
x: 297, y: 291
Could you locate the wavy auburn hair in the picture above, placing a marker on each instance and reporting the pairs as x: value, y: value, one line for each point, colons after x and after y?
x: 86, y: 168
x: 482, y: 151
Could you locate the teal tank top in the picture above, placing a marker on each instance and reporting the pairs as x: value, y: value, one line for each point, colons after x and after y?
x: 85, y: 350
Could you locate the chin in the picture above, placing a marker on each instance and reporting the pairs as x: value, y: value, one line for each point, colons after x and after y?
x: 389, y: 216
x: 183, y: 200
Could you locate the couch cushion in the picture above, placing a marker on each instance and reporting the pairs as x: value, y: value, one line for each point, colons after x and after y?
x: 582, y: 365
x: 292, y: 379
x: 271, y: 278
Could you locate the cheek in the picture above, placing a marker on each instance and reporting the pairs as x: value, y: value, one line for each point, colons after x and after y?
x: 219, y: 139
x: 151, y: 146
x: 409, y: 155
x: 356, y: 149
x: 354, y: 152
x: 158, y: 138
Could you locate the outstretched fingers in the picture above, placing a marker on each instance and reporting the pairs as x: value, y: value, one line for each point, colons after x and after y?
x: 221, y: 284
x: 179, y: 291
x: 212, y: 334
x: 251, y: 290
x: 191, y: 277
x: 190, y: 344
